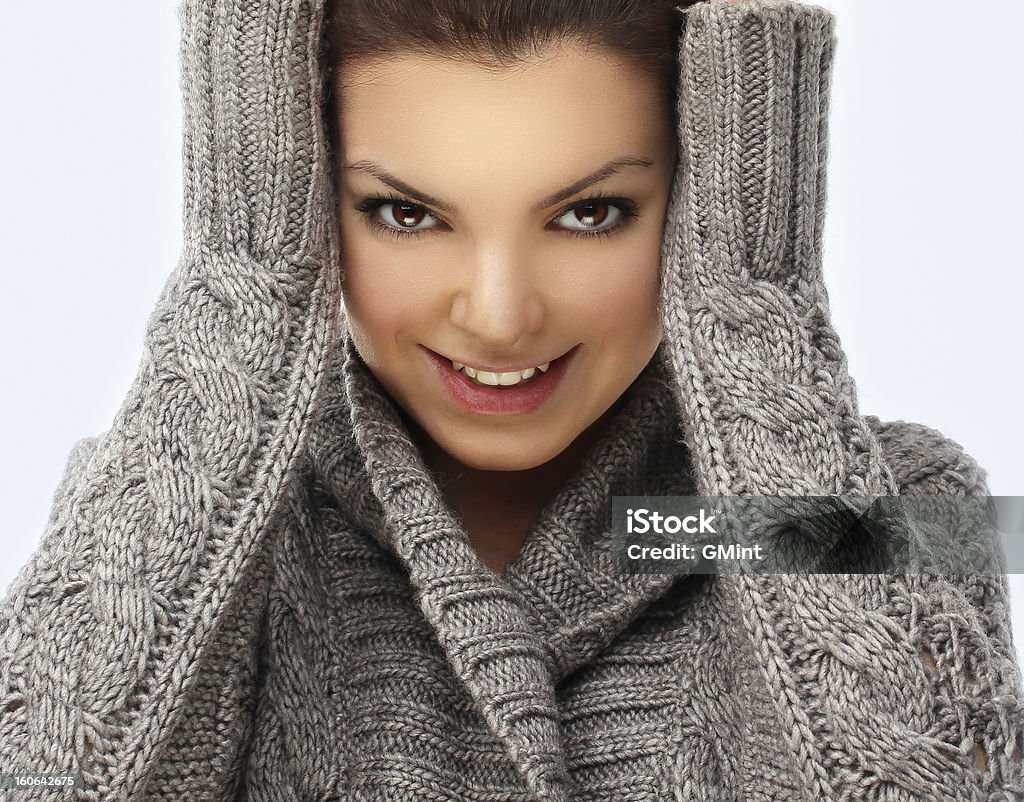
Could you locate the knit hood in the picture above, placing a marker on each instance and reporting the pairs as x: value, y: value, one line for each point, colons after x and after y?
x: 749, y: 380
x: 250, y: 387
x: 750, y: 369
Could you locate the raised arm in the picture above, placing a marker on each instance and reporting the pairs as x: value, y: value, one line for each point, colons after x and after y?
x: 898, y: 686
x: 103, y: 633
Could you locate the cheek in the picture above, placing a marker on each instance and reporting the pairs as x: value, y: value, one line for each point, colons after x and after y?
x: 621, y: 293
x: 380, y: 298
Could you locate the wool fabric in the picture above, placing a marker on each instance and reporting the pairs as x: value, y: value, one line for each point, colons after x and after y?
x: 251, y: 587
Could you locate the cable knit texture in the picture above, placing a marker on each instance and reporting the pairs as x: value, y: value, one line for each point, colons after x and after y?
x: 251, y: 587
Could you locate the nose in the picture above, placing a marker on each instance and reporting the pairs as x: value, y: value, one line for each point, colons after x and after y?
x: 500, y: 302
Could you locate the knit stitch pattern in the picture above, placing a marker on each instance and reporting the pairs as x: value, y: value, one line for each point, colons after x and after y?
x: 102, y: 632
x: 250, y: 586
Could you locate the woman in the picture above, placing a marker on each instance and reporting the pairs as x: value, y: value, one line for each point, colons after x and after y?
x: 313, y: 558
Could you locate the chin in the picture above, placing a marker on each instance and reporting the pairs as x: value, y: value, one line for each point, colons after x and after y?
x: 499, y: 459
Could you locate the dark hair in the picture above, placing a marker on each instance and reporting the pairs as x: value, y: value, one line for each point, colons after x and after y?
x: 498, y: 33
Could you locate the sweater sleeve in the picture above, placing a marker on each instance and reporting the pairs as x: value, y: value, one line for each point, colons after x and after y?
x: 745, y: 309
x: 885, y: 686
x: 976, y: 608
x: 160, y: 520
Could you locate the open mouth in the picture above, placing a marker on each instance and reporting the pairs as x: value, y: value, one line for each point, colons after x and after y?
x: 503, y: 379
x: 507, y: 393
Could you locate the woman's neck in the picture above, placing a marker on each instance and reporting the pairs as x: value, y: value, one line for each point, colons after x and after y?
x: 498, y: 508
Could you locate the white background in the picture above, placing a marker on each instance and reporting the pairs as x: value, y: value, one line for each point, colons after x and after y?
x: 922, y: 252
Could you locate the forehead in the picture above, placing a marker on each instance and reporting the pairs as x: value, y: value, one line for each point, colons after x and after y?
x: 571, y: 102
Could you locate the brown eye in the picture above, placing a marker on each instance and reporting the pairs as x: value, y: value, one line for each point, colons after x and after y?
x: 405, y: 216
x: 599, y: 215
x: 591, y: 214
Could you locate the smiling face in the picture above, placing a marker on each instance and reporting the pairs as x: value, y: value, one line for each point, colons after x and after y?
x: 503, y: 219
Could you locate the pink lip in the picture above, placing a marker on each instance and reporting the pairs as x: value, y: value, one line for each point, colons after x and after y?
x: 501, y: 400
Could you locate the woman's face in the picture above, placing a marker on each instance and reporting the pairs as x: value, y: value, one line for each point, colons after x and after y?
x: 503, y: 220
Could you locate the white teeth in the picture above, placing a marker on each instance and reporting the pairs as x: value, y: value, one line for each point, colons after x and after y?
x: 501, y: 379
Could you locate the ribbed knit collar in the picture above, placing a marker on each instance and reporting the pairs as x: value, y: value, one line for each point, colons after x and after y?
x: 509, y: 638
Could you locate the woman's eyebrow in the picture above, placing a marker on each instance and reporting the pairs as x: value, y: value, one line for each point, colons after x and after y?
x: 612, y: 167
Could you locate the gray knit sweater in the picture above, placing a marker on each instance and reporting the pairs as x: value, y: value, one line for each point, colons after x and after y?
x: 250, y: 586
